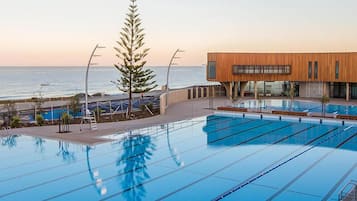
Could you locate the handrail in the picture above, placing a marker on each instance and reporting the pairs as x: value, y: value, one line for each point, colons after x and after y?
x: 5, y: 131
x: 353, y: 187
x: 148, y: 109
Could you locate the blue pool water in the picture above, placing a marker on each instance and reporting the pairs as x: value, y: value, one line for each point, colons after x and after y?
x: 299, y: 106
x: 207, y: 158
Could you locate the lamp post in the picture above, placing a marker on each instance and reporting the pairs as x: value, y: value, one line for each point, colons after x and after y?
x: 46, y: 85
x: 174, y: 56
x: 40, y: 97
x: 86, y: 81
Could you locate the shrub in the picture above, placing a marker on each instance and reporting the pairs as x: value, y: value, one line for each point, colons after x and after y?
x: 66, y: 118
x: 75, y: 105
x: 15, y: 122
x: 39, y: 120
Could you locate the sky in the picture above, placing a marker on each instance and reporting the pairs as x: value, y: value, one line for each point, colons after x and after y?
x: 64, y: 32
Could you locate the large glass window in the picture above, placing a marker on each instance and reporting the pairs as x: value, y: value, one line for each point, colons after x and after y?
x: 337, y: 70
x: 316, y: 70
x: 310, y: 70
x: 354, y: 91
x: 261, y: 69
x: 211, y: 70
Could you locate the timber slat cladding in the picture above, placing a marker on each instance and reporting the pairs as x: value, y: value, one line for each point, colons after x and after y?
x: 299, y: 66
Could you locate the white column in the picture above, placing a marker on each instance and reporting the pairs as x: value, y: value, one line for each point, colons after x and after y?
x: 235, y: 95
x: 347, y: 91
x: 255, y: 90
x: 242, y: 88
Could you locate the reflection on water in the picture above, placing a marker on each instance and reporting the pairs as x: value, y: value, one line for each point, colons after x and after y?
x: 231, y: 136
x: 137, y: 150
x: 9, y: 141
x: 173, y: 151
x: 64, y: 152
x: 39, y: 144
x: 94, y: 175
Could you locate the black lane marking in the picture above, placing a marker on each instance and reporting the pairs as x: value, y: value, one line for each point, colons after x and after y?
x: 97, y: 155
x: 128, y: 189
x: 305, y: 171
x: 235, y: 162
x: 334, y: 188
x: 348, y: 139
x: 115, y: 176
x: 129, y: 158
x: 227, y: 166
x: 155, y: 135
x: 270, y: 169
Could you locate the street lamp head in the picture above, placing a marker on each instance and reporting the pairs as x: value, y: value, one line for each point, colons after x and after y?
x: 44, y: 84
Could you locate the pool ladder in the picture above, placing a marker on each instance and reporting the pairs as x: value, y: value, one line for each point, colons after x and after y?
x: 93, y: 122
x: 90, y: 118
x: 5, y: 131
x: 348, y: 192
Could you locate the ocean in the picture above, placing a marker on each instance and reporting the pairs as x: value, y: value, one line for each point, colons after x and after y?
x: 27, y: 82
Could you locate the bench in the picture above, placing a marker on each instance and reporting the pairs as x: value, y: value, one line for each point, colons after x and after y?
x: 233, y: 109
x: 290, y: 113
x: 347, y: 117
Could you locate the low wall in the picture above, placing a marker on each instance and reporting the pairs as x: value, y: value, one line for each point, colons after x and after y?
x: 181, y: 95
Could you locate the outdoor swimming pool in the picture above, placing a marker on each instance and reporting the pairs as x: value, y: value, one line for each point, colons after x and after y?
x: 299, y: 106
x: 208, y: 158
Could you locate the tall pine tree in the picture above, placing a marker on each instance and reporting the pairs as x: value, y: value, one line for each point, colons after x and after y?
x: 134, y: 78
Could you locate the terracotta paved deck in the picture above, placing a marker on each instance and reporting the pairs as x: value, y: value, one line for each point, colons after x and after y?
x: 177, y: 112
x: 180, y: 111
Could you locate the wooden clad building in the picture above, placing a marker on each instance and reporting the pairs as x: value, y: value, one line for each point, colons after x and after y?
x: 316, y: 74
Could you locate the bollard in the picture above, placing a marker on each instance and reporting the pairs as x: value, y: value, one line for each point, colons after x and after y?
x: 343, y: 123
x: 320, y: 121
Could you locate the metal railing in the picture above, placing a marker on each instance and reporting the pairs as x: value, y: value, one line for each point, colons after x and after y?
x: 5, y: 131
x: 348, y: 192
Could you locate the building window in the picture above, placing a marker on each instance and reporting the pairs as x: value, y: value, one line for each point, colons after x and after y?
x: 211, y: 70
x: 310, y: 70
x: 261, y: 69
x: 316, y: 70
x: 337, y: 70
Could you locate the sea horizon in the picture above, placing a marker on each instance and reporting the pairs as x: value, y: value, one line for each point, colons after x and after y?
x: 23, y: 82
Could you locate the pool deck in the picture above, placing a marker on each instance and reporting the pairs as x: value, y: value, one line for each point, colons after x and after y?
x: 177, y: 112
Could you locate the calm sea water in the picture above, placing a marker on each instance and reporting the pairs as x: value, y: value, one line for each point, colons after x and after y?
x: 25, y: 82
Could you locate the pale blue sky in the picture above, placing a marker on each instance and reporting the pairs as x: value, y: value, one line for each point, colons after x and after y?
x: 62, y: 32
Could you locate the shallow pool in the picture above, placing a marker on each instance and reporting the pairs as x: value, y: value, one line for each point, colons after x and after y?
x: 207, y: 158
x: 299, y: 106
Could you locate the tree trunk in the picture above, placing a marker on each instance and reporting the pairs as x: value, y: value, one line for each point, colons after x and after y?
x: 130, y: 97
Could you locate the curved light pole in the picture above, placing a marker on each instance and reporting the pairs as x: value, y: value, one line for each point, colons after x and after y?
x: 168, y: 73
x: 86, y: 81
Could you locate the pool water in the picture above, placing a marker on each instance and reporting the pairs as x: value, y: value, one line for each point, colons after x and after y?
x: 208, y: 158
x: 298, y: 106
